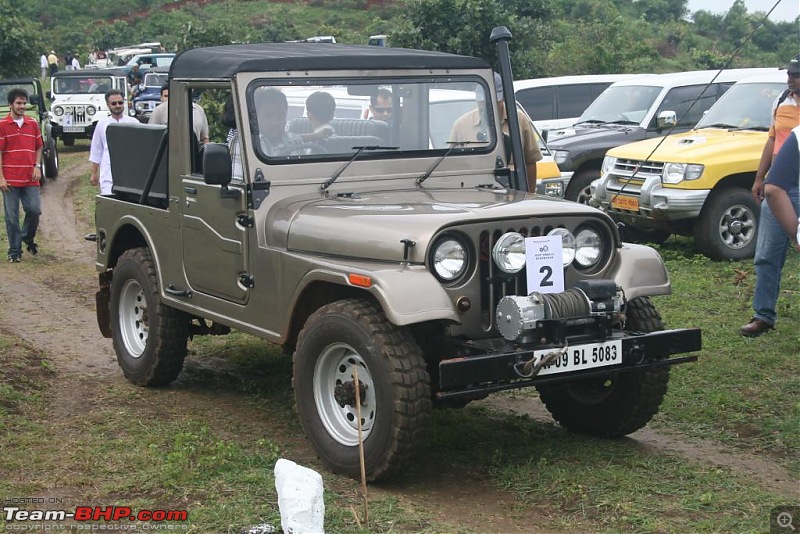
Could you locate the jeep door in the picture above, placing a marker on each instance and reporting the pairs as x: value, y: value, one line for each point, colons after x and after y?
x: 215, y: 255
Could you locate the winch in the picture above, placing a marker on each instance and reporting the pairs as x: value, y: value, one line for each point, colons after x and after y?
x: 517, y: 316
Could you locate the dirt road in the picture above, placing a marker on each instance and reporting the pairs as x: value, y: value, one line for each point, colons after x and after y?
x: 50, y: 304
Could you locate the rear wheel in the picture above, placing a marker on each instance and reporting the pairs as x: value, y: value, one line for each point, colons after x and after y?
x: 616, y: 404
x: 51, y: 159
x: 149, y: 336
x: 728, y: 225
x: 578, y: 189
x: 394, y: 389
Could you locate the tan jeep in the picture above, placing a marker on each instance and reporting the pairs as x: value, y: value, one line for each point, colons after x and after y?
x: 428, y: 270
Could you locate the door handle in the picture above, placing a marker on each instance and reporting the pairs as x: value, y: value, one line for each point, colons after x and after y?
x: 190, y: 190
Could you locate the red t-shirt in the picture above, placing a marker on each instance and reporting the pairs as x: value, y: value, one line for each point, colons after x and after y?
x: 18, y: 146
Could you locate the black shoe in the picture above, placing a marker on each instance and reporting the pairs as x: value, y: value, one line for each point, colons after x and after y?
x: 32, y: 248
x: 14, y: 259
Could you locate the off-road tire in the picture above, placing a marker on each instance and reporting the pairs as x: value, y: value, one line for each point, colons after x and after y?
x: 728, y: 225
x: 578, y: 188
x: 149, y: 337
x: 396, y: 408
x: 616, y: 404
x: 51, y: 160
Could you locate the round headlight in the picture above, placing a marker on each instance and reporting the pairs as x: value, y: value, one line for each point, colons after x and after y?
x: 91, y: 110
x: 588, y: 247
x: 58, y: 111
x: 449, y: 259
x: 567, y: 244
x: 509, y: 252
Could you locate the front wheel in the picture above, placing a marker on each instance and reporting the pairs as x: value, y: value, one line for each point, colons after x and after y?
x: 149, y: 337
x: 51, y: 159
x: 728, y: 225
x: 616, y: 404
x: 394, y: 389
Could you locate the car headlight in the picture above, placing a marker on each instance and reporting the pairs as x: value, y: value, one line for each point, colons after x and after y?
x: 449, y: 259
x: 567, y: 244
x: 608, y: 164
x: 509, y: 252
x: 675, y: 173
x: 561, y: 156
x: 91, y: 110
x: 588, y: 247
x: 58, y: 111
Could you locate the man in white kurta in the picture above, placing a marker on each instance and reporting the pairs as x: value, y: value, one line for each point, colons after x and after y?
x: 98, y: 155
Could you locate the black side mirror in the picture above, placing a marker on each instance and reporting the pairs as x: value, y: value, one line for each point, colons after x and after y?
x: 216, y: 164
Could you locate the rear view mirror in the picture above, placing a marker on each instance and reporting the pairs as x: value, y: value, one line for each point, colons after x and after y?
x: 667, y: 119
x: 216, y: 164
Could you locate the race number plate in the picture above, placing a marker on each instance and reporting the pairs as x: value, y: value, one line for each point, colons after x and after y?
x: 580, y: 357
x: 625, y: 203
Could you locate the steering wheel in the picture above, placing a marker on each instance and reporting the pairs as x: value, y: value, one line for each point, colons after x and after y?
x: 300, y: 149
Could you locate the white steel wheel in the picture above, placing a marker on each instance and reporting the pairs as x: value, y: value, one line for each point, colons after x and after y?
x: 334, y: 393
x: 133, y: 318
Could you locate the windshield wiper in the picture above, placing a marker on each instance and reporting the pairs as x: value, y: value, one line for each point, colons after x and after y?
x: 453, y: 144
x: 590, y: 121
x: 721, y: 125
x: 622, y: 122
x: 358, y: 151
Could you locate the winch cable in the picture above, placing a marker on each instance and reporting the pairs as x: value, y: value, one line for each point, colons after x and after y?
x: 531, y: 368
x: 725, y: 66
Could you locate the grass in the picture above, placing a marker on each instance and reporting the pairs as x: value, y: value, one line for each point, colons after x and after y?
x: 208, y: 443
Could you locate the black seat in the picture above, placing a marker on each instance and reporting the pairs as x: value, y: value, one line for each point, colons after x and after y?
x: 345, y: 127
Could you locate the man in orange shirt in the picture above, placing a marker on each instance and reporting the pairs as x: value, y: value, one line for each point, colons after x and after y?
x: 772, y: 242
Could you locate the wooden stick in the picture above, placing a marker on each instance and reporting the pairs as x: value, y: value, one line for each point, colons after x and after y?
x: 361, y: 447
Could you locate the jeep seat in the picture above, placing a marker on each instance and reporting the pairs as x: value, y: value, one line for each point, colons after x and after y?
x: 345, y: 127
x: 133, y: 149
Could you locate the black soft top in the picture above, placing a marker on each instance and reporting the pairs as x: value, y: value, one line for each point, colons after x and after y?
x: 225, y: 61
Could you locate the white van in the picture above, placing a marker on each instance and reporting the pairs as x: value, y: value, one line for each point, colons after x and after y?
x: 557, y: 102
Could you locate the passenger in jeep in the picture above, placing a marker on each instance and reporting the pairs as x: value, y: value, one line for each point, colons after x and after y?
x: 273, y: 109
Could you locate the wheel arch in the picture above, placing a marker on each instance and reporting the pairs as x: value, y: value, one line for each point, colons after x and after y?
x: 743, y: 180
x: 127, y: 236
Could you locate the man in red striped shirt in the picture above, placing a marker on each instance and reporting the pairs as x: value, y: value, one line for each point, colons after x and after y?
x: 20, y: 173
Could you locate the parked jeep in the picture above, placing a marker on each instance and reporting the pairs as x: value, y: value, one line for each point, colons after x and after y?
x: 401, y: 276
x: 149, y: 96
x: 37, y: 110
x: 77, y: 101
x: 696, y: 183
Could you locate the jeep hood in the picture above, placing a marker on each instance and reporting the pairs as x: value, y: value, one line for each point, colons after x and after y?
x: 371, y: 225
x: 707, y: 146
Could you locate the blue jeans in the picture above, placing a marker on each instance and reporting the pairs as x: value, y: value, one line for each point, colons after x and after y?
x: 770, y: 256
x: 32, y: 205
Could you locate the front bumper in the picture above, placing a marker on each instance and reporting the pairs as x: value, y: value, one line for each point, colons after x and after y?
x: 487, y: 372
x: 656, y: 203
x: 78, y: 132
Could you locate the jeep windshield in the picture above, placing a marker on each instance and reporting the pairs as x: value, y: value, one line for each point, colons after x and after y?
x: 155, y: 79
x: 73, y: 85
x: 623, y: 104
x: 397, y: 118
x: 744, y: 106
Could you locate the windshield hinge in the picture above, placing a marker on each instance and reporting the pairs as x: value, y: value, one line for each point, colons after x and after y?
x: 245, y: 220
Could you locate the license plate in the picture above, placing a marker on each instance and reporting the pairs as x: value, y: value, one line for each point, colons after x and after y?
x: 625, y: 203
x: 581, y: 357
x: 73, y: 129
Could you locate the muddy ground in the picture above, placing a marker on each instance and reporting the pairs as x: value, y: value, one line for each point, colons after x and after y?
x: 55, y: 313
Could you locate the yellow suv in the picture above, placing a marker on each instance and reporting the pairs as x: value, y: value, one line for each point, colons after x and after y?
x: 696, y: 183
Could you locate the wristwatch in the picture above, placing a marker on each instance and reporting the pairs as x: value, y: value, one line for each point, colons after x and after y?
x: 38, y: 165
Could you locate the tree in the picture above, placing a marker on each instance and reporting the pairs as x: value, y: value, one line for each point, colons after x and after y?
x: 20, y: 44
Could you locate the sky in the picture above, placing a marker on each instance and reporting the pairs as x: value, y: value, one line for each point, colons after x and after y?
x: 787, y: 10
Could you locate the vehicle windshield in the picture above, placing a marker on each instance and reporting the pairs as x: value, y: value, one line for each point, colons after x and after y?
x: 155, y: 79
x: 30, y: 88
x: 622, y: 104
x: 746, y: 106
x: 73, y: 85
x: 400, y: 117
